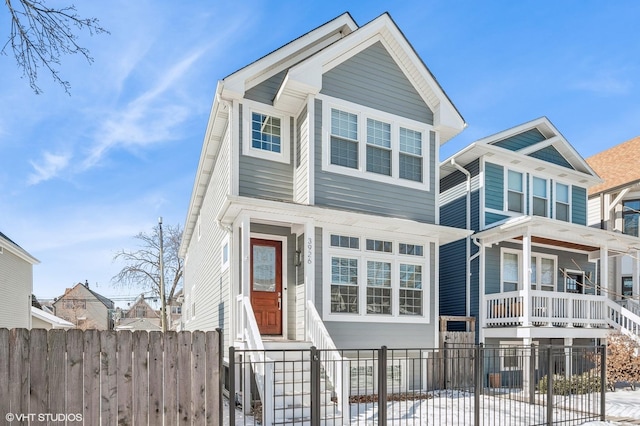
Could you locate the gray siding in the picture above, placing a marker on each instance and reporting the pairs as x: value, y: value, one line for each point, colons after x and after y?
x: 522, y: 140
x: 260, y: 178
x: 372, y: 78
x: 494, y: 186
x: 16, y: 278
x: 302, y: 158
x: 578, y: 205
x: 362, y: 195
x: 266, y: 91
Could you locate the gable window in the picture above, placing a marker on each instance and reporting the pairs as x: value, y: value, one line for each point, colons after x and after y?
x: 540, y: 198
x: 562, y: 210
x: 370, y: 144
x: 375, y: 279
x: 510, y: 271
x: 630, y: 215
x: 265, y: 132
x: 515, y: 192
x: 344, y: 139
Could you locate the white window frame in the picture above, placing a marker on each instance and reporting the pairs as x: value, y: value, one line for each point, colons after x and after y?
x: 507, y: 190
x: 547, y: 198
x: 538, y: 260
x: 224, y: 264
x: 555, y: 201
x: 396, y: 123
x: 565, y: 276
x: 518, y: 255
x: 283, y: 156
x: 363, y: 255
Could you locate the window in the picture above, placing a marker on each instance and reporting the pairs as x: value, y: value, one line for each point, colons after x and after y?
x: 379, y: 287
x: 378, y: 147
x: 224, y: 254
x: 574, y: 281
x: 375, y: 145
x: 627, y: 287
x: 543, y: 273
x: 344, y: 139
x: 630, y: 215
x: 515, y: 192
x: 510, y: 271
x: 379, y: 278
x: 410, y: 289
x: 540, y: 200
x: 265, y: 132
x: 513, y: 353
x: 562, y: 202
x: 344, y: 285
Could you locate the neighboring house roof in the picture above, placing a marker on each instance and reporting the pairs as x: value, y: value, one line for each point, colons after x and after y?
x: 542, y: 140
x: 8, y: 244
x: 149, y: 311
x: 302, y: 63
x: 618, y: 166
x: 55, y: 321
x: 107, y: 302
x: 133, y: 324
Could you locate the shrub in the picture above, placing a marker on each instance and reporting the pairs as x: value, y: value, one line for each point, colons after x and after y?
x: 577, y: 384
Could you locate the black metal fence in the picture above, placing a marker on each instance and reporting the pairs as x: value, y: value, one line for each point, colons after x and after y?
x: 455, y: 385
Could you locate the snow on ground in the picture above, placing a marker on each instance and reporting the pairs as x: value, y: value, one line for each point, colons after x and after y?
x: 622, y: 408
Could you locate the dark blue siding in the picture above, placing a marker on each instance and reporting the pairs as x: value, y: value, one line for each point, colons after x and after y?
x: 452, y: 278
x: 494, y: 186
x: 522, y: 140
x: 490, y: 218
x: 578, y: 205
x: 454, y: 213
x: 551, y: 155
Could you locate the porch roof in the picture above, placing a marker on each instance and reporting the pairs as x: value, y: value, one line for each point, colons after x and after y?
x: 558, y: 233
x: 298, y: 213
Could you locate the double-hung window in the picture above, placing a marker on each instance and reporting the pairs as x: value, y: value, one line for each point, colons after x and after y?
x: 540, y: 197
x: 562, y: 210
x: 543, y: 273
x: 630, y: 216
x: 378, y: 146
x: 515, y: 192
x: 378, y: 277
x: 510, y: 271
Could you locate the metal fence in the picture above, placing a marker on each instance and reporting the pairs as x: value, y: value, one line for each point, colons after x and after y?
x: 455, y: 385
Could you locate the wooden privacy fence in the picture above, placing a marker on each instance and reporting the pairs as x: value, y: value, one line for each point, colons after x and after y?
x: 108, y: 377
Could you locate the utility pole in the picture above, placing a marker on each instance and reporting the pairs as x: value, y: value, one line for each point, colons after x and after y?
x: 163, y: 304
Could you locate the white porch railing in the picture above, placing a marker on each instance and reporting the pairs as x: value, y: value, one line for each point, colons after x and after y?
x: 545, y: 308
x: 623, y: 319
x: 330, y: 357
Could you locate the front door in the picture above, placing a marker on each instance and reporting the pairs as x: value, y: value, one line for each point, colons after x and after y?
x: 266, y: 285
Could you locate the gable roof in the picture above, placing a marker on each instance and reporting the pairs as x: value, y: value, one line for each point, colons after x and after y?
x: 534, y: 142
x: 618, y: 166
x: 104, y: 300
x: 56, y: 322
x: 8, y: 244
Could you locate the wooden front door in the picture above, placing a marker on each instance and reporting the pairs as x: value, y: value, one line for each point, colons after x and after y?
x: 266, y: 285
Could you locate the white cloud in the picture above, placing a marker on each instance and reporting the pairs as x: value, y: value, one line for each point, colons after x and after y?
x: 48, y: 167
x: 604, y: 84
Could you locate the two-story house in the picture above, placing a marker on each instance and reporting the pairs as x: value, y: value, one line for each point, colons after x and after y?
x: 16, y: 284
x: 314, y: 215
x: 534, y: 271
x: 614, y: 205
x: 85, y: 308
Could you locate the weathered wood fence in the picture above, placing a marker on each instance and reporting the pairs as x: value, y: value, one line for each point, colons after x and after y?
x: 109, y: 377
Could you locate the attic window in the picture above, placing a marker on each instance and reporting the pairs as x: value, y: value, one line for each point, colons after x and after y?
x: 265, y: 133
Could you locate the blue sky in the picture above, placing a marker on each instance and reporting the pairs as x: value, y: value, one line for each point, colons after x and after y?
x: 80, y: 175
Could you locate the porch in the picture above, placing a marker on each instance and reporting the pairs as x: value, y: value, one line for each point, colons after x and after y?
x: 545, y: 309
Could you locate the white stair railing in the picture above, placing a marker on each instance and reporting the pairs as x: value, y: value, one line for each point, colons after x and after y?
x: 331, y: 359
x: 262, y: 367
x: 623, y: 319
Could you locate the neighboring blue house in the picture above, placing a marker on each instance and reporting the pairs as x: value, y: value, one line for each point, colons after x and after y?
x: 533, y: 272
x: 314, y: 215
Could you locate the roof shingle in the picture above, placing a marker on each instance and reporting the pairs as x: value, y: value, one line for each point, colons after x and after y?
x: 618, y: 166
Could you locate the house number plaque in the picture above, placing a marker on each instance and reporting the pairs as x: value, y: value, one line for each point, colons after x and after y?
x: 309, y: 251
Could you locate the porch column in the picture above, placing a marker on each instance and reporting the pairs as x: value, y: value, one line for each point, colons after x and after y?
x: 482, y: 294
x: 636, y: 274
x: 526, y: 278
x: 245, y: 274
x: 568, y: 343
x: 235, y: 311
x: 309, y: 259
x: 604, y: 272
x: 526, y: 354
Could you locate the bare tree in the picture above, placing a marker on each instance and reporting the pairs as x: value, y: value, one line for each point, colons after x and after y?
x: 40, y: 35
x: 142, y: 269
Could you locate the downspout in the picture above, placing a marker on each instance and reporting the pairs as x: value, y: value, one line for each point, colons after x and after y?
x: 468, y: 239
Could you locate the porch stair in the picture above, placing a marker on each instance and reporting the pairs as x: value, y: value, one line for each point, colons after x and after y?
x: 292, y: 394
x: 627, y: 321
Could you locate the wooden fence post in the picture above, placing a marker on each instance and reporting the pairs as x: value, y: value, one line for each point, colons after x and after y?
x: 198, y: 377
x: 157, y: 363
x: 184, y: 377
x: 91, y: 390
x: 141, y: 360
x: 75, y: 361
x: 39, y: 386
x: 56, y: 371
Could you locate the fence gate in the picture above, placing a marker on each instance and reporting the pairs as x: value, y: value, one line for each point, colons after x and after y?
x: 456, y: 366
